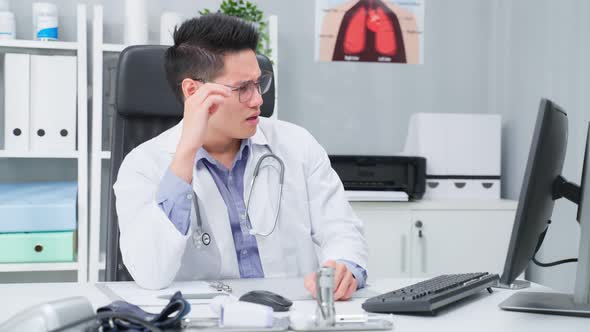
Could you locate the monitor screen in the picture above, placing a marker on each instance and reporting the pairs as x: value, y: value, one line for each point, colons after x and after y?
x: 535, y: 204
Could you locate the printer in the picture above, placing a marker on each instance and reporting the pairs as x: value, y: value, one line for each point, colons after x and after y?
x: 463, y: 152
x: 381, y: 178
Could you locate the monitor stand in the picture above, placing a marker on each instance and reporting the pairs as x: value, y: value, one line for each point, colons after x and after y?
x: 577, y: 304
x: 516, y: 284
x: 546, y: 303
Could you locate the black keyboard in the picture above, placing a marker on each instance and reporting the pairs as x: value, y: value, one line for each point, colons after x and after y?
x: 432, y: 294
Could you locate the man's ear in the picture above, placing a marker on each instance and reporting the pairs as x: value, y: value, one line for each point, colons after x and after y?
x: 189, y: 87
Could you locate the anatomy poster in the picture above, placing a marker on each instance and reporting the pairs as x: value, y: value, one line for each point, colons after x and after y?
x: 388, y: 31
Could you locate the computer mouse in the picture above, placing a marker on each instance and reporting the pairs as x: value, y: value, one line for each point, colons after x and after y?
x: 273, y: 300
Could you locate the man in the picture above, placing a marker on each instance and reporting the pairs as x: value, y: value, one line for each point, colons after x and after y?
x: 205, y: 165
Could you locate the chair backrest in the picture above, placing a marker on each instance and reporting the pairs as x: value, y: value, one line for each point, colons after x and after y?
x: 145, y: 106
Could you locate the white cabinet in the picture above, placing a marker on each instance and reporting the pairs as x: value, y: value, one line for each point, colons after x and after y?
x: 428, y: 238
x: 388, y: 233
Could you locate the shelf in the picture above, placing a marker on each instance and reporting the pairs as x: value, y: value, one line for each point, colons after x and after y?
x: 114, y: 48
x: 37, y: 44
x: 34, y: 267
x: 105, y: 155
x: 39, y: 154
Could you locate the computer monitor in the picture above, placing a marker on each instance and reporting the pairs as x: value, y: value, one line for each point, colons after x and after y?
x: 541, y: 186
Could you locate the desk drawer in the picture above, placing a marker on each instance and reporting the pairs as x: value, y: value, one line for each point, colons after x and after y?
x: 36, y: 247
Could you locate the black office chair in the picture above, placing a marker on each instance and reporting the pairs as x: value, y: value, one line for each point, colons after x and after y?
x: 145, y: 106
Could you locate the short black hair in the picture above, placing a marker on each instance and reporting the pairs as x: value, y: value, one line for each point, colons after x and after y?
x: 200, y: 44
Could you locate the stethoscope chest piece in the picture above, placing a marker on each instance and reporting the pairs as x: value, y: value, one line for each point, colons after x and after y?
x: 200, y: 239
x: 206, y: 239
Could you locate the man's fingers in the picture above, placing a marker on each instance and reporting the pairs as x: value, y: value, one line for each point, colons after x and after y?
x: 202, y: 90
x: 309, y: 283
x: 209, y: 89
x: 212, y: 102
x: 330, y: 264
x: 351, y: 289
x: 342, y: 288
x: 339, y: 273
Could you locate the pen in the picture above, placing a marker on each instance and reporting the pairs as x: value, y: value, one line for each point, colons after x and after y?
x: 220, y: 286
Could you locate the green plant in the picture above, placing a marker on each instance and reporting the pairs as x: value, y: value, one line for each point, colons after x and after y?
x: 247, y: 11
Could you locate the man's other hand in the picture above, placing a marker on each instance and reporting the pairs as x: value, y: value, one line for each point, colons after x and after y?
x: 344, y: 282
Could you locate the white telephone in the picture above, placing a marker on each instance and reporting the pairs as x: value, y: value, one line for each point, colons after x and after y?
x: 50, y: 316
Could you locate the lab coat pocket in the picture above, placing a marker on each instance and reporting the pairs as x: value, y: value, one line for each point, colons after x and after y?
x: 201, y: 261
x: 292, y: 265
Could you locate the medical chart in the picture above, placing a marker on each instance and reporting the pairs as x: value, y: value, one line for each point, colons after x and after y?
x: 389, y: 31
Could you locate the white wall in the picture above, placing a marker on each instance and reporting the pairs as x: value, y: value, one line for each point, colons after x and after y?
x: 541, y: 50
x: 350, y: 108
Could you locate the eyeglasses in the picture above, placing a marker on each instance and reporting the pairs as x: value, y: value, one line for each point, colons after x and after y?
x: 246, y: 90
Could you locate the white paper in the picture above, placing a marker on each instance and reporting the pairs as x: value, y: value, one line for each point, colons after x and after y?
x: 132, y: 293
x: 376, y: 196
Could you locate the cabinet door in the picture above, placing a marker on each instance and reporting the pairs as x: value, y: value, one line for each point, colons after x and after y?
x: 387, y: 232
x: 444, y: 241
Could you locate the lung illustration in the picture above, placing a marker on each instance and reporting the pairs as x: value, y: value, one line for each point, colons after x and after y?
x: 370, y: 31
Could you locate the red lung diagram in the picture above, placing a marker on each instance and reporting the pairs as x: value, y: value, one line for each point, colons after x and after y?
x: 370, y: 31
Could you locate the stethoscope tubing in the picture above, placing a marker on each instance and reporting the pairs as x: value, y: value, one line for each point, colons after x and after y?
x: 200, y: 237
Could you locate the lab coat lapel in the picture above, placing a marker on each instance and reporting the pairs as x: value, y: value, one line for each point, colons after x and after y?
x: 262, y: 212
x: 212, y: 209
x: 213, y: 212
x: 263, y: 199
x: 259, y: 148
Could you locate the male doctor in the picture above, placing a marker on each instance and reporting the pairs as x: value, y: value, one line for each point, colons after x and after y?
x: 205, y: 165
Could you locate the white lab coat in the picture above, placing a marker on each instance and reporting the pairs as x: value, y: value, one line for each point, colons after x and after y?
x: 316, y: 222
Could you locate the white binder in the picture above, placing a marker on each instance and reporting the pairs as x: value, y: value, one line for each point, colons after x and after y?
x: 16, y: 101
x: 53, y: 103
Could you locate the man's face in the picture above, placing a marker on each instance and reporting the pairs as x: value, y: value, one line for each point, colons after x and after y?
x: 235, y: 118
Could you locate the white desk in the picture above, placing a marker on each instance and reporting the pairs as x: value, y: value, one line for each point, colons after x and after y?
x: 477, y: 314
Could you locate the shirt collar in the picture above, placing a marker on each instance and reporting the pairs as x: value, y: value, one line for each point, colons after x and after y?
x: 245, y: 147
x: 259, y: 138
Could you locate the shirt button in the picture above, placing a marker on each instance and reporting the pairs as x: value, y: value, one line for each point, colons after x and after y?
x: 243, y: 216
x: 189, y: 196
x: 244, y: 252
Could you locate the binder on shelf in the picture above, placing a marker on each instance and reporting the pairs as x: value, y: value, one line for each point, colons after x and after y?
x: 53, y: 103
x: 16, y: 101
x: 38, y: 207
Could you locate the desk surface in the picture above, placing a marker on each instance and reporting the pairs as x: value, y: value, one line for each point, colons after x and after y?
x: 480, y: 313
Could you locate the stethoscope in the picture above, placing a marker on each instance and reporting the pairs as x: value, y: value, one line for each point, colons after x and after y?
x: 201, y: 238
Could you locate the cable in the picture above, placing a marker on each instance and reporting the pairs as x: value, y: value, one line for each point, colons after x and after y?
x: 540, y: 242
x: 563, y: 261
x: 110, y: 315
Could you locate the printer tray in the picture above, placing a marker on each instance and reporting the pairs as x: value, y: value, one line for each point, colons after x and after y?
x: 382, y: 173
